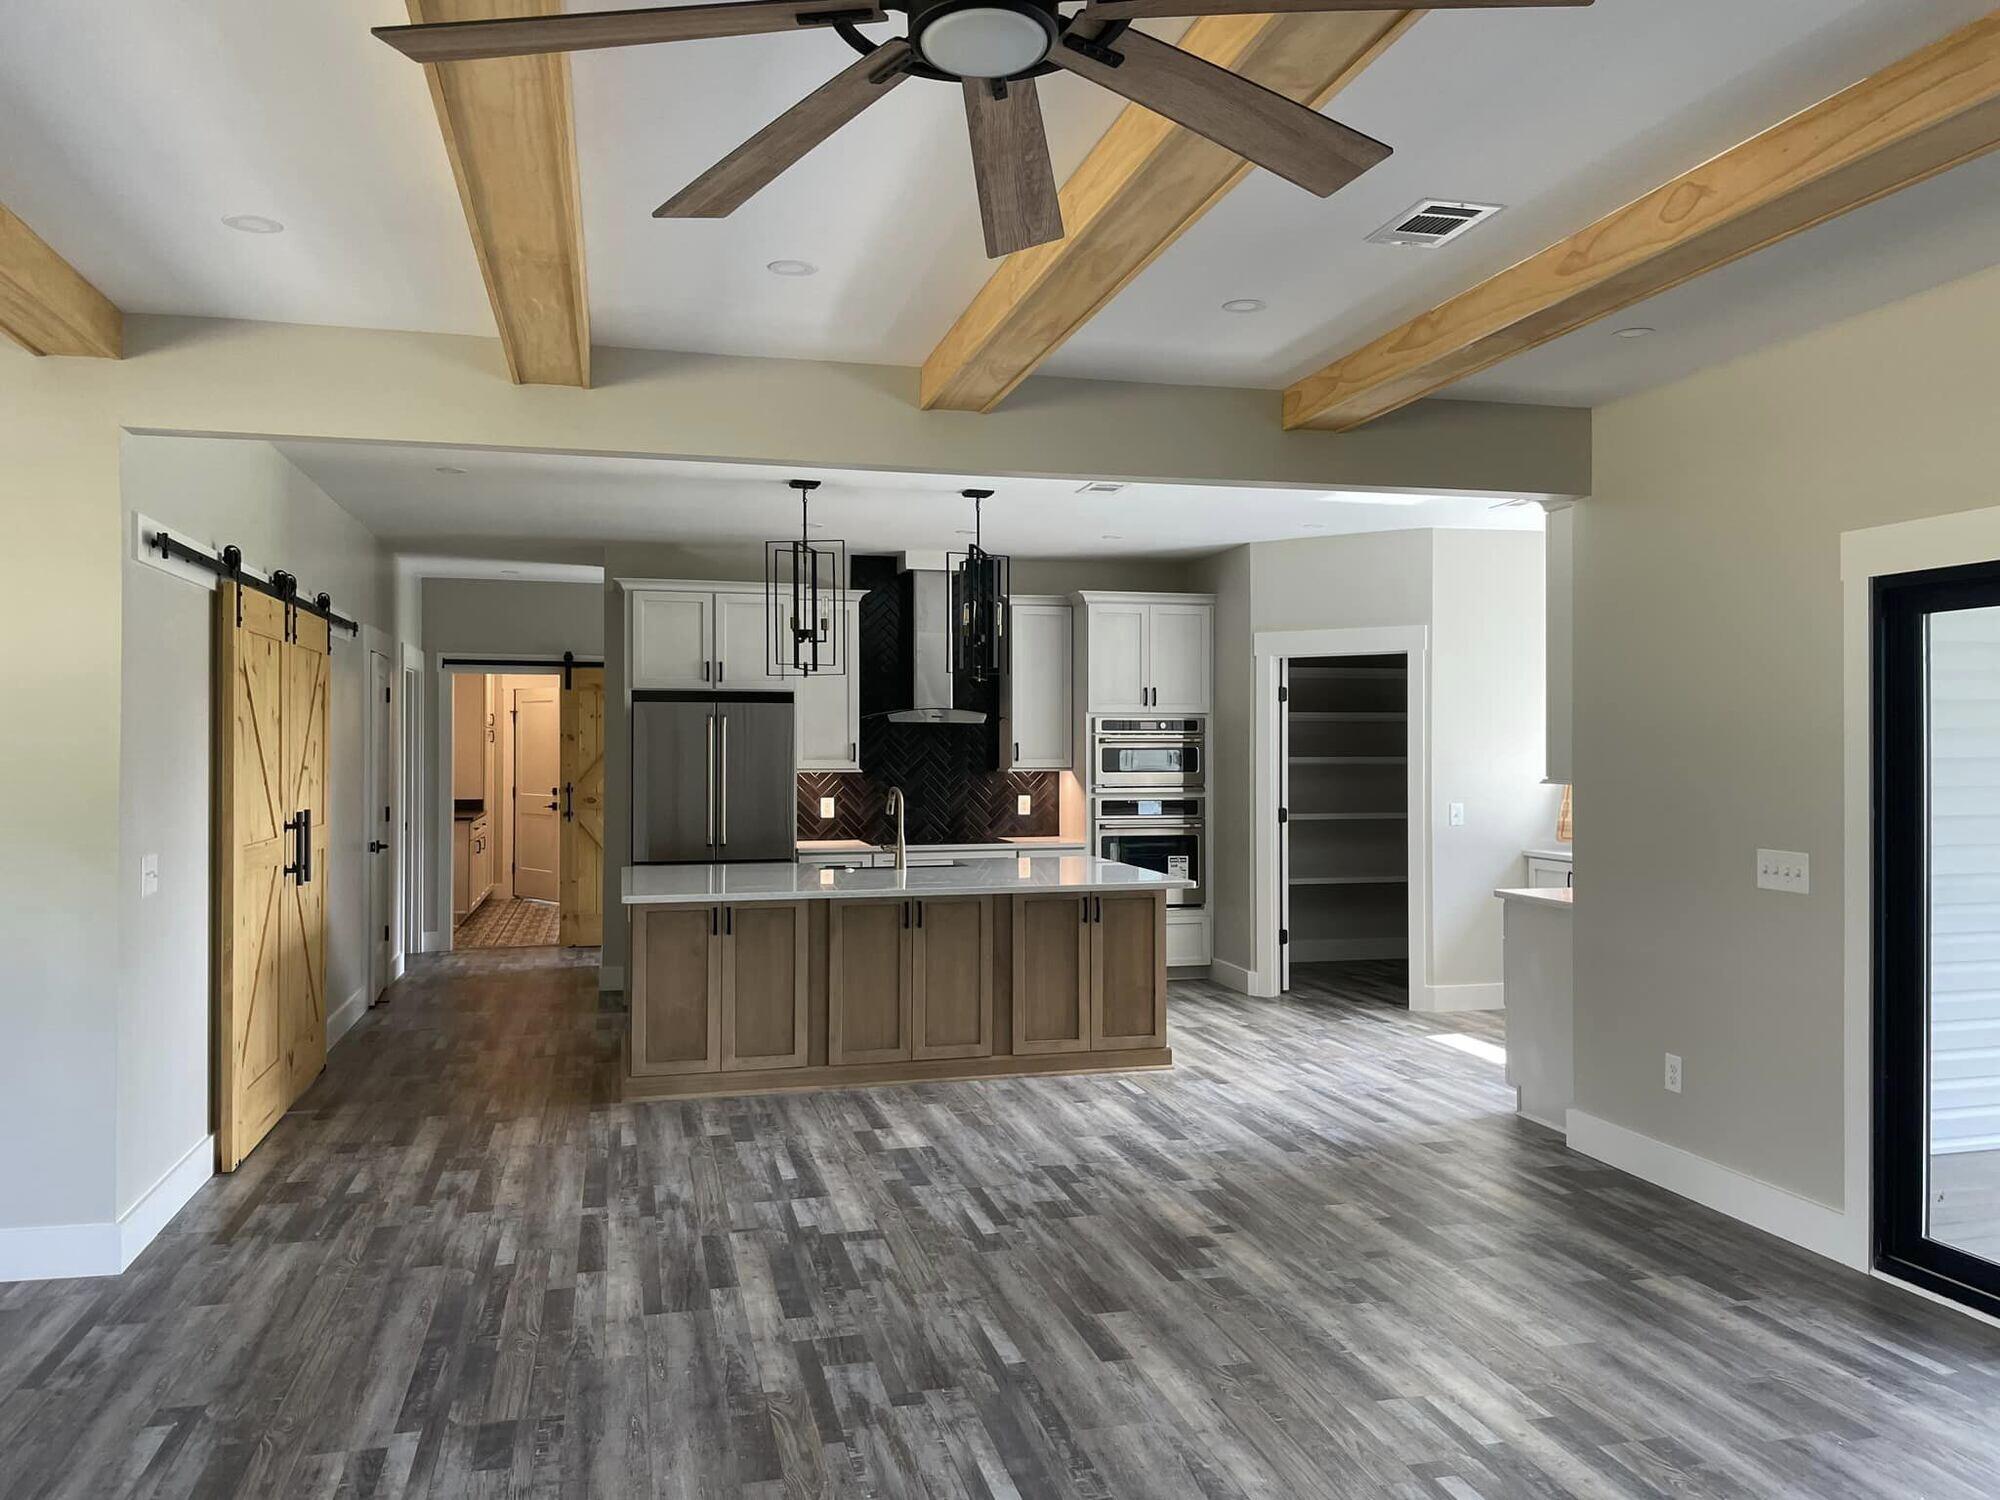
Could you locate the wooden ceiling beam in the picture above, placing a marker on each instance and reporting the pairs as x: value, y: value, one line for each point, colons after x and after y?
x: 1914, y: 119
x: 45, y: 306
x: 511, y: 138
x: 1142, y: 185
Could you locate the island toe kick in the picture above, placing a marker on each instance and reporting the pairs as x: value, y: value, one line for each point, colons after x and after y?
x: 753, y: 996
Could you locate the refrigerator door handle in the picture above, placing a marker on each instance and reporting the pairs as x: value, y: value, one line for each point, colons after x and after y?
x: 725, y: 781
x: 711, y: 780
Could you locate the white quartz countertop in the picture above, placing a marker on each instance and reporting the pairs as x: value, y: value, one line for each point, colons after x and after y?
x: 697, y: 885
x: 1561, y: 896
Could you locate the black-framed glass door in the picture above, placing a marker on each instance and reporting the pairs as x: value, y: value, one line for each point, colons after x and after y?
x: 1936, y: 901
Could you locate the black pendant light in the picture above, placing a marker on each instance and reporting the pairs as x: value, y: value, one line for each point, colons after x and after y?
x: 981, y: 586
x: 805, y: 601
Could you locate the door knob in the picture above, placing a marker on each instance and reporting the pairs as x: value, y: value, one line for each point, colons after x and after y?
x: 376, y: 846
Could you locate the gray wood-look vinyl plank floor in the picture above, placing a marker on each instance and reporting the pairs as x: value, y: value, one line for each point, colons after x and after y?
x: 1319, y: 1258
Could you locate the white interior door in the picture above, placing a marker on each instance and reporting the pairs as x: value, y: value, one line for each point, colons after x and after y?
x: 537, y: 791
x: 406, y: 812
x: 382, y: 840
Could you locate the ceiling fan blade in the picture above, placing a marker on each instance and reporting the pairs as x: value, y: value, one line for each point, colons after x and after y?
x: 1011, y: 166
x: 520, y: 36
x: 1301, y: 145
x: 733, y: 181
x: 1136, y: 10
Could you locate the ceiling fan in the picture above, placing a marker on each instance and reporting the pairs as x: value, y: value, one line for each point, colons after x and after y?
x: 995, y: 50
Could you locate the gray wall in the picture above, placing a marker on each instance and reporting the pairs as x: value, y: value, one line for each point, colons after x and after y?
x: 212, y: 491
x: 1708, y: 712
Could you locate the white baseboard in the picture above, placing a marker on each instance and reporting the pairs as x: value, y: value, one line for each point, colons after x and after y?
x: 345, y: 1014
x: 1449, y: 997
x: 156, y: 1208
x: 1232, y: 976
x: 46, y: 1252
x: 399, y: 965
x: 1813, y: 1226
x: 433, y: 941
x: 610, y: 979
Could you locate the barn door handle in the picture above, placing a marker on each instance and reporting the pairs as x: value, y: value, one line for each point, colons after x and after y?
x: 569, y: 801
x: 296, y: 869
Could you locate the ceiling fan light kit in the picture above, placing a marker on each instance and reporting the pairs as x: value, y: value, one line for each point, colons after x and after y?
x: 994, y: 49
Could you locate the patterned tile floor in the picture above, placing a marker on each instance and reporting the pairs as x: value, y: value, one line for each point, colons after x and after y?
x: 504, y: 923
x: 1318, y: 1258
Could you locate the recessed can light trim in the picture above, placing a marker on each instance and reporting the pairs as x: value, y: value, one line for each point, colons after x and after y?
x: 449, y: 469
x: 253, y: 224
x: 1637, y: 331
x: 791, y: 268
x: 1243, y: 305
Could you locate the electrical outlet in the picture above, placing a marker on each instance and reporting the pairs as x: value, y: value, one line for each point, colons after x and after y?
x: 149, y: 875
x: 1673, y: 1079
x: 825, y: 808
x: 1024, y: 804
x: 1784, y: 870
x: 1455, y: 815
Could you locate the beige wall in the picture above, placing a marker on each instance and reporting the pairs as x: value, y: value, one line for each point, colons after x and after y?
x: 1707, y: 712
x: 60, y: 424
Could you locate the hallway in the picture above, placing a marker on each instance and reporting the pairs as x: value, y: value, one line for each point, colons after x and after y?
x: 1319, y: 1258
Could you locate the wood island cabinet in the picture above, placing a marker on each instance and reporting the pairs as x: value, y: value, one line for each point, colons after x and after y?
x: 909, y: 979
x: 719, y: 988
x: 1090, y: 973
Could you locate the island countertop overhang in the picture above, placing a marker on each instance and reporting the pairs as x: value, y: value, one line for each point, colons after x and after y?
x: 1018, y: 875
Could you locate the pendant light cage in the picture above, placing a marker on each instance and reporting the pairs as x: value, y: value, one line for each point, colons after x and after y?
x: 981, y: 593
x: 805, y: 601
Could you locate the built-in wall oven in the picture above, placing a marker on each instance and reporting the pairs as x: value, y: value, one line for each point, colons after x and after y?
x: 1155, y: 833
x: 1146, y: 755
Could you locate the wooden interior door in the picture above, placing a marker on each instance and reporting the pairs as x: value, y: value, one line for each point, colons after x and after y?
x: 1128, y: 971
x: 1051, y: 974
x: 676, y: 990
x: 537, y: 792
x: 582, y: 887
x: 765, y: 971
x: 867, y: 981
x: 270, y: 980
x: 951, y: 977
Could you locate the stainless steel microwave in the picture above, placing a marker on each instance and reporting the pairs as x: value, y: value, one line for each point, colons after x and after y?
x: 1159, y: 755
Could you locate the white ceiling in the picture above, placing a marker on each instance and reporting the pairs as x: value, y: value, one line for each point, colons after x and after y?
x: 553, y: 507
x: 132, y: 128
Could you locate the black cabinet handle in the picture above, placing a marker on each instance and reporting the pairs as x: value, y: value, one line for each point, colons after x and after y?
x: 729, y: 921
x: 920, y: 916
x: 1083, y: 912
x: 906, y: 916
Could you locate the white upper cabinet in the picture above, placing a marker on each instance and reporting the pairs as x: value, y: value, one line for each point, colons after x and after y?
x: 1118, y: 680
x: 1038, y: 730
x: 741, y: 644
x: 1149, y: 653
x: 672, y: 639
x: 1181, y: 654
x: 829, y: 708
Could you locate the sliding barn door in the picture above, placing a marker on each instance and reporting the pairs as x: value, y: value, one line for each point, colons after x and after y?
x: 271, y: 702
x: 582, y: 889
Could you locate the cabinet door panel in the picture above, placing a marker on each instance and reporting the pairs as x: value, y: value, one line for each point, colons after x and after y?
x: 1118, y: 677
x: 951, y: 968
x: 1038, y: 730
x: 676, y: 990
x: 764, y: 971
x: 829, y: 711
x: 1181, y: 657
x: 1128, y: 963
x: 1051, y: 966
x: 671, y: 639
x: 741, y: 647
x: 868, y: 982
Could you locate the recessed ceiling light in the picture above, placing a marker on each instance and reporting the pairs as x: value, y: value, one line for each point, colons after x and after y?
x: 253, y: 224
x: 510, y: 572
x: 791, y: 268
x: 1367, y: 497
x: 449, y: 469
x: 1111, y: 536
x: 1243, y: 305
x: 1313, y: 526
x: 1634, y: 333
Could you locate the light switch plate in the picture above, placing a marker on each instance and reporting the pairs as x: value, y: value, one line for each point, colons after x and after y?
x: 1455, y: 815
x: 149, y: 875
x: 1024, y: 804
x: 1784, y: 870
x: 826, y: 807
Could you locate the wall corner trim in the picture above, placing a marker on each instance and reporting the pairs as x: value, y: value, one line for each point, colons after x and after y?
x: 1233, y: 976
x: 1801, y: 1221
x: 345, y: 1014
x: 50, y: 1252
x: 610, y: 979
x: 1437, y: 999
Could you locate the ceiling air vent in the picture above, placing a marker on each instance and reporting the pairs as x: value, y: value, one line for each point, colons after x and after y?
x: 1099, y: 487
x: 1432, y: 222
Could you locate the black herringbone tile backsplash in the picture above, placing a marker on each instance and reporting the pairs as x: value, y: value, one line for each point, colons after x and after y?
x: 947, y: 771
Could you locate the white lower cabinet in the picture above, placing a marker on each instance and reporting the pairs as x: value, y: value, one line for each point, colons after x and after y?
x: 1188, y: 941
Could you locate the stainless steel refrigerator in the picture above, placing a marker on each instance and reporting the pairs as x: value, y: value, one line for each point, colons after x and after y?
x: 714, y: 778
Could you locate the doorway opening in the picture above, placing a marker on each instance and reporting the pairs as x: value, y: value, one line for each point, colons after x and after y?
x: 506, y: 787
x: 1344, y: 826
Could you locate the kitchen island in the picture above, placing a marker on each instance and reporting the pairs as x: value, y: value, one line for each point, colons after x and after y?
x: 746, y: 978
